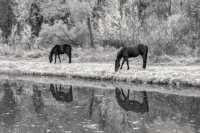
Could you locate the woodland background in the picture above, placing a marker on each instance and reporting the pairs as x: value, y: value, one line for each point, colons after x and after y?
x: 30, y: 28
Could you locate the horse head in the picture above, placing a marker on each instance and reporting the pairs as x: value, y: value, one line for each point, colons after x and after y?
x: 118, y: 92
x: 50, y: 59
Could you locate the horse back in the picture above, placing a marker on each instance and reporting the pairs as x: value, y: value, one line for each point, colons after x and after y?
x: 61, y: 49
x: 67, y: 48
x: 137, y: 50
x: 142, y: 48
x: 131, y: 51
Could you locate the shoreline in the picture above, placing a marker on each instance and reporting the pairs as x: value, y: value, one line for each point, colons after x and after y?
x: 160, y: 75
x: 95, y: 84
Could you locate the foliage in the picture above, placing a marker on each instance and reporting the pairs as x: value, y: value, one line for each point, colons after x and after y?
x: 7, y: 18
x: 167, y: 27
x: 94, y: 103
x: 60, y: 34
x: 23, y: 40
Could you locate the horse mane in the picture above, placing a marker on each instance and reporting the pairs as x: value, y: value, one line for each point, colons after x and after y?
x: 51, y: 52
x: 119, y: 53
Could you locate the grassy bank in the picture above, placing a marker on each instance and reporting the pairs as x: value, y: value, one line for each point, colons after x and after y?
x: 101, y: 85
x: 154, y: 74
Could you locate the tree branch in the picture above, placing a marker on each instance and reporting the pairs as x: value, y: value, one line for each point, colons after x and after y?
x: 69, y: 37
x: 61, y: 38
x: 175, y: 6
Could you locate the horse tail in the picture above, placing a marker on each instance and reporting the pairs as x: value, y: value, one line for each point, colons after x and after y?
x: 70, y: 53
x: 71, y: 93
x: 146, y: 53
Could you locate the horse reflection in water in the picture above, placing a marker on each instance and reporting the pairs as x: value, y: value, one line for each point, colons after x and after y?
x: 132, y: 105
x: 60, y: 95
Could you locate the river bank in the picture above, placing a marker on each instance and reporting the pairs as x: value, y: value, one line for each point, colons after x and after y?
x: 172, y: 75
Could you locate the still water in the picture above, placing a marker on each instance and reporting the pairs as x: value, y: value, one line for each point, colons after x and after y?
x: 27, y: 106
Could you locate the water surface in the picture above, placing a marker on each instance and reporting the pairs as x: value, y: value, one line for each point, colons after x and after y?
x: 27, y: 106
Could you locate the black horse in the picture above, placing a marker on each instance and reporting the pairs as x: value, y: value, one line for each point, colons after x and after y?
x: 61, y: 96
x: 60, y: 49
x: 128, y: 52
x: 132, y: 105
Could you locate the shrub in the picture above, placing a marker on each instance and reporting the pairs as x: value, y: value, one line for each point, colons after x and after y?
x: 34, y: 54
x: 163, y: 58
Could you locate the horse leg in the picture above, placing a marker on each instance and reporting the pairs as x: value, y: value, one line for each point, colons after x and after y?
x: 145, y: 102
x: 144, y: 61
x: 127, y: 63
x: 59, y: 57
x: 128, y: 94
x: 60, y: 88
x: 123, y: 94
x: 126, y: 97
x: 56, y: 89
x: 69, y: 57
x: 55, y: 58
x: 122, y: 63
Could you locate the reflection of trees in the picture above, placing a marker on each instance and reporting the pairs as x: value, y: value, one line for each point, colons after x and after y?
x: 37, y: 100
x: 179, y: 109
x: 7, y: 106
x: 193, y: 114
x: 91, y: 103
x: 182, y: 110
x: 91, y: 106
x: 114, y: 119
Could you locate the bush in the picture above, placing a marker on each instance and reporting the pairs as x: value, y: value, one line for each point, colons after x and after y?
x: 34, y: 54
x: 163, y: 58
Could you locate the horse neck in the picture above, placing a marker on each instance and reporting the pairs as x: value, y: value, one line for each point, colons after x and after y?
x: 51, y: 53
x: 119, y: 57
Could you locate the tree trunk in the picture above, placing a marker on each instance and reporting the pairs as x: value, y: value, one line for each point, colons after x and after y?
x: 90, y: 30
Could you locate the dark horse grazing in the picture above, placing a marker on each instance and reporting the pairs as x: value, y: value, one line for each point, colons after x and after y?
x: 128, y: 52
x: 61, y: 96
x: 132, y: 105
x: 60, y: 49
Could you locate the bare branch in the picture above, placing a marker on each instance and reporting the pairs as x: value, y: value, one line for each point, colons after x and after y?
x: 175, y: 6
x: 182, y: 2
x: 61, y: 38
x: 69, y: 37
